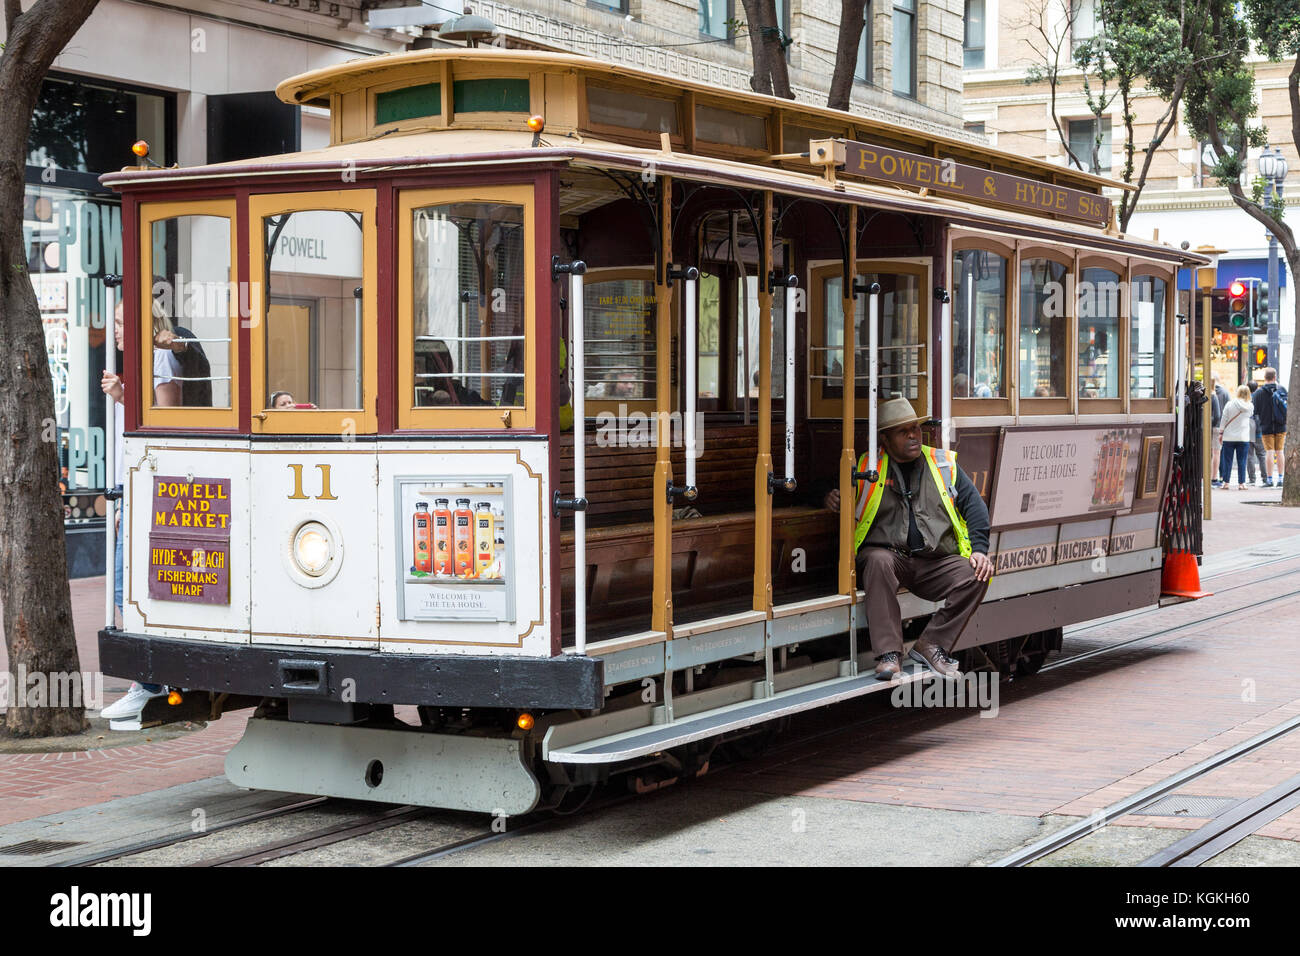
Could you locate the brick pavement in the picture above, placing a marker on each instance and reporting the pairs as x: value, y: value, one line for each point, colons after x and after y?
x: 1073, y: 740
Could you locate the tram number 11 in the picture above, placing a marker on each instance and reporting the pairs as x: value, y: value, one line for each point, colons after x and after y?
x: 325, y: 493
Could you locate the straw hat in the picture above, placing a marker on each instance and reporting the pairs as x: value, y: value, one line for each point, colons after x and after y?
x: 895, y: 412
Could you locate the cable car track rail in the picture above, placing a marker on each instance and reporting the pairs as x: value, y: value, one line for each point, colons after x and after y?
x: 1148, y: 795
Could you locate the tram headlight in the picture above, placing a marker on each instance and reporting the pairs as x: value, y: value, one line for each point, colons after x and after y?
x: 313, y: 548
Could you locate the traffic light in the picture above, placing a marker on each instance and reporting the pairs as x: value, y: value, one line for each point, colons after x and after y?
x: 1237, y: 305
x: 1261, y: 356
x: 1261, y: 305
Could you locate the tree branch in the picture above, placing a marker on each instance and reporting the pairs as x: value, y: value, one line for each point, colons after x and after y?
x: 13, y: 10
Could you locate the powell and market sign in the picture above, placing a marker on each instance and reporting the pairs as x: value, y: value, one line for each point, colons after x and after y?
x: 971, y: 183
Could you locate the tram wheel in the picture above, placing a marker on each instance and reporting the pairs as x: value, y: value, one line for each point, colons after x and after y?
x: 1028, y: 664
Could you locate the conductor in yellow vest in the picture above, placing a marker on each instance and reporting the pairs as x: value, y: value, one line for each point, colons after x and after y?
x: 922, y: 526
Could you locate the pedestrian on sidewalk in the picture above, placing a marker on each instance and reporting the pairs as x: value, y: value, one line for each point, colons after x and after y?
x: 1270, y: 406
x: 126, y: 710
x: 1255, y: 475
x: 1218, y: 398
x: 1237, y: 415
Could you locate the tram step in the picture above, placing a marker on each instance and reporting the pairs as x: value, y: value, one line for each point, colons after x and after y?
x: 631, y: 744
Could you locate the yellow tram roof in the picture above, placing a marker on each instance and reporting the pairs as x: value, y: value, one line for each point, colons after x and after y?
x: 334, y: 86
x: 502, y: 140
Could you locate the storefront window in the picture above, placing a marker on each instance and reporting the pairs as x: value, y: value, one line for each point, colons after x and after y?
x: 1147, y: 338
x: 979, y: 310
x: 190, y: 307
x: 469, y: 290
x: 619, y: 308
x: 1044, y: 322
x: 1099, y: 334
x: 314, y: 327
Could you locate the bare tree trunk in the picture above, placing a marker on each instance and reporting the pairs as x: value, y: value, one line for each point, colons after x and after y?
x: 33, y: 564
x: 1291, y: 484
x: 761, y: 81
x: 852, y: 22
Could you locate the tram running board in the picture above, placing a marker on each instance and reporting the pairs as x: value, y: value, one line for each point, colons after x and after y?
x: 631, y: 744
x: 451, y: 771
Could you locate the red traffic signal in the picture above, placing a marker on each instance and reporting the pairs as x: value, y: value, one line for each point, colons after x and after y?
x: 1237, y: 304
x: 1261, y: 356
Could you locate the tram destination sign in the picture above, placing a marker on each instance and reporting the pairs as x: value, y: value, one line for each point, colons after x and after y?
x: 973, y: 183
x: 189, y: 540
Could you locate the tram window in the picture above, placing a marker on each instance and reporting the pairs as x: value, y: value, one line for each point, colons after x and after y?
x: 468, y: 309
x: 1147, y: 338
x: 631, y: 110
x: 1043, y: 326
x: 1098, y: 313
x: 619, y: 326
x: 746, y: 350
x: 313, y: 323
x: 189, y: 311
x: 709, y: 331
x: 902, y: 361
x: 979, y: 322
x: 729, y: 128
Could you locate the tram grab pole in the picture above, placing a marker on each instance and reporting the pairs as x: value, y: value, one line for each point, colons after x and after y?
x: 111, y: 284
x: 945, y: 364
x: 356, y: 353
x: 692, y: 382
x: 791, y: 301
x: 1180, y: 378
x: 873, y: 377
x: 578, y: 503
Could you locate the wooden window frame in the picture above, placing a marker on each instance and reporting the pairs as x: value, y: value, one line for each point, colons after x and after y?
x: 971, y: 407
x: 1160, y: 403
x: 593, y: 405
x: 323, y: 421
x: 706, y: 147
x: 922, y: 267
x: 185, y: 417
x: 1060, y: 405
x: 626, y: 134
x: 1119, y: 266
x: 458, y: 417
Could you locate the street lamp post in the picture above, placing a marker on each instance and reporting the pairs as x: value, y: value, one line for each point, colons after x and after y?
x: 1273, y: 168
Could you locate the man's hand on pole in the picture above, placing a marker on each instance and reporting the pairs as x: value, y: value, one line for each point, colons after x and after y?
x: 982, y: 565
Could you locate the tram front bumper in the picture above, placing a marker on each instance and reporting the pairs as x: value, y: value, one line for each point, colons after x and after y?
x: 364, y: 676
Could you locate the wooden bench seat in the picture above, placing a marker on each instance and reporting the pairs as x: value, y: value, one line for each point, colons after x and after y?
x: 712, y: 562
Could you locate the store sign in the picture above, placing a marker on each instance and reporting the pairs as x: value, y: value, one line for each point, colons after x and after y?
x: 456, y: 550
x: 973, y: 183
x: 1047, y: 475
x: 189, y: 540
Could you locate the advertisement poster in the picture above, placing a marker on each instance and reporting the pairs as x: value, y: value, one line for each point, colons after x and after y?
x: 455, y: 554
x: 189, y: 540
x: 1052, y: 475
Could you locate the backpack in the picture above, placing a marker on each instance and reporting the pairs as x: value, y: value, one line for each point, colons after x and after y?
x: 1279, y: 409
x: 194, y: 365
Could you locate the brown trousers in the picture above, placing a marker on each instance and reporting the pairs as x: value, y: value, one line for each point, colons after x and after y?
x: 882, y: 571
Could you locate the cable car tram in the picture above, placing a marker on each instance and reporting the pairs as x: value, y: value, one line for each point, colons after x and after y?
x: 526, y: 392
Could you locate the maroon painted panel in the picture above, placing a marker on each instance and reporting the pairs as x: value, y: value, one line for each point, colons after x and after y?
x: 189, y: 540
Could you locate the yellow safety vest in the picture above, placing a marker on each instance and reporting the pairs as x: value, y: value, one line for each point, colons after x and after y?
x: 943, y: 468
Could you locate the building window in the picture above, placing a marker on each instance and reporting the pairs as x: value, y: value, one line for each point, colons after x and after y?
x: 863, y: 70
x: 1083, y: 135
x: 977, y: 128
x: 613, y: 6
x: 973, y: 42
x: 1083, y: 24
x: 714, y: 17
x: 905, y: 47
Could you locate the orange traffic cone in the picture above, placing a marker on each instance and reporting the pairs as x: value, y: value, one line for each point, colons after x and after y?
x: 1180, y: 576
